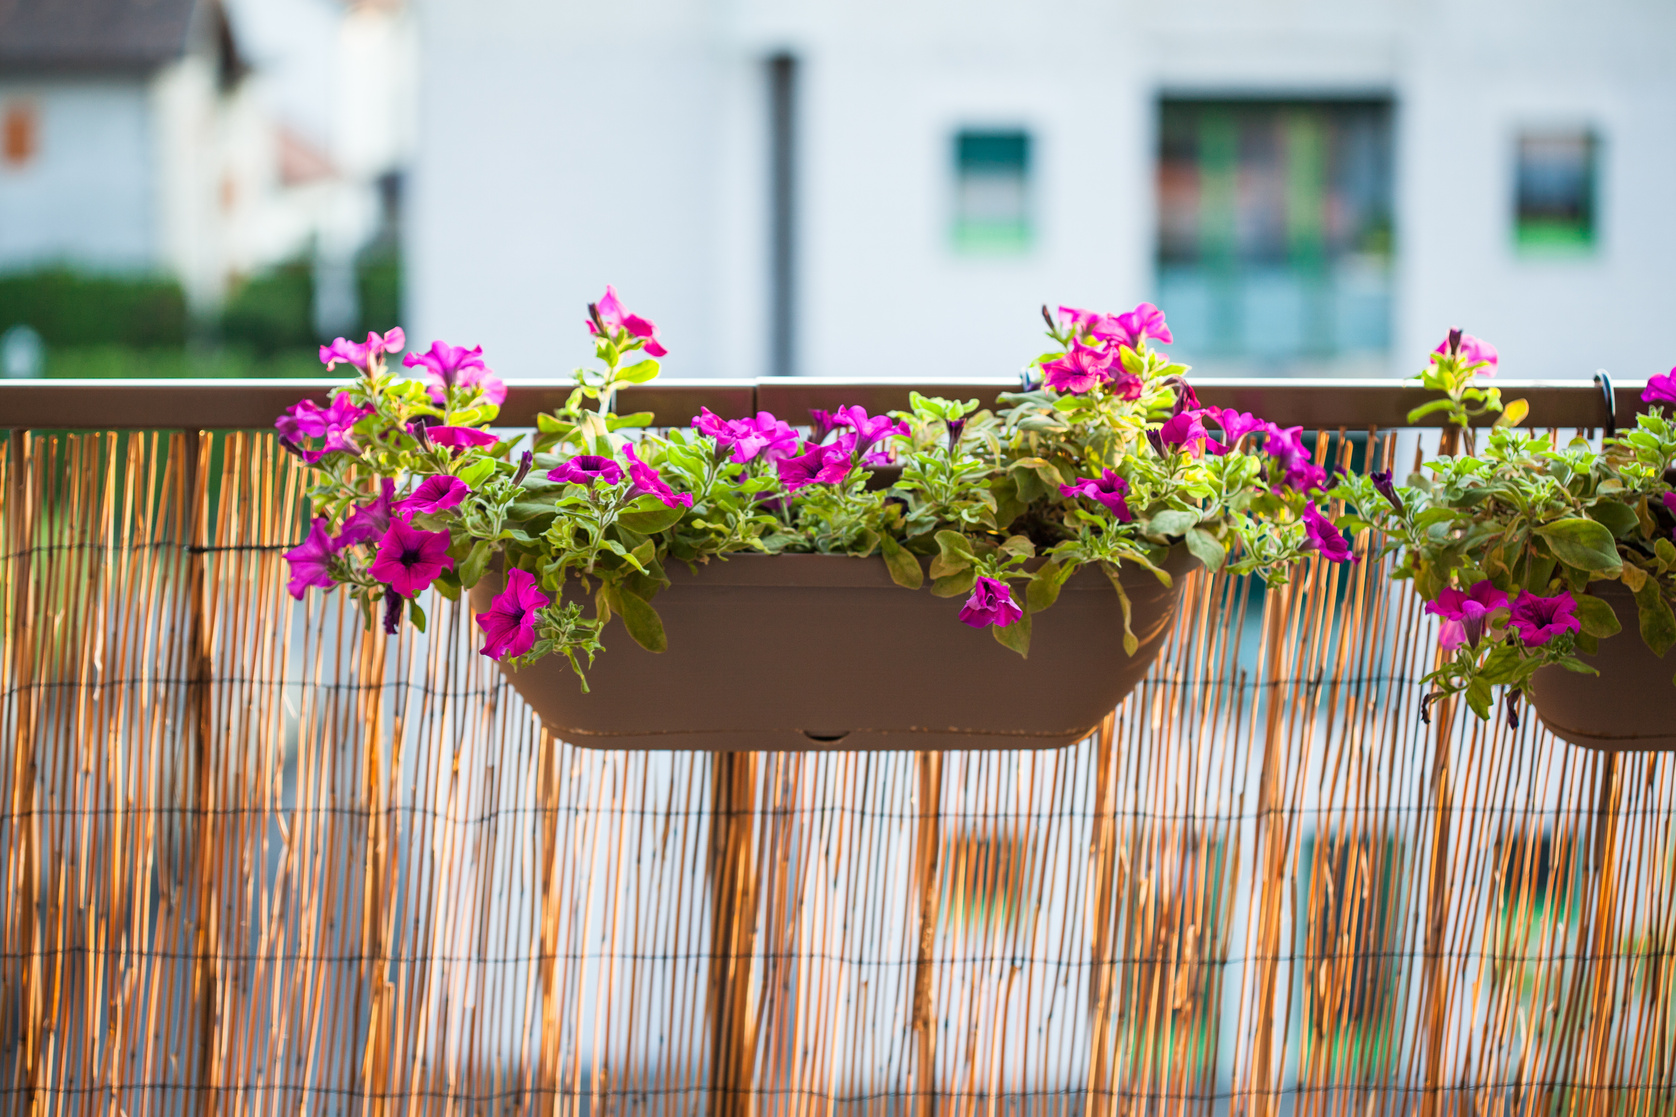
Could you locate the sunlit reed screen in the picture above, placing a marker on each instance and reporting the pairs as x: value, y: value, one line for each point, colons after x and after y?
x: 261, y: 861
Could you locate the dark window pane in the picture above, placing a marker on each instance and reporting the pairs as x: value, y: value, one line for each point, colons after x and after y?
x: 1274, y: 228
x: 992, y: 192
x: 1555, y: 184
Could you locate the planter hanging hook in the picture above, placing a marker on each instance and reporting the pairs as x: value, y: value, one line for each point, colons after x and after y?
x: 1604, y: 380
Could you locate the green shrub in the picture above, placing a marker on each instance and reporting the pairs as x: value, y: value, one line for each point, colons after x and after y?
x: 74, y: 308
x: 272, y: 312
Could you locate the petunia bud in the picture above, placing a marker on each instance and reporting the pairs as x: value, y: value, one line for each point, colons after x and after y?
x: 525, y: 460
x: 292, y: 448
x: 1387, y: 488
x: 1455, y: 342
x: 392, y: 610
x: 956, y: 427
x: 1513, y: 708
x: 1047, y: 316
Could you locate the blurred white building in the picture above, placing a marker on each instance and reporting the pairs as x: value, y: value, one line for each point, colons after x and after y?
x: 135, y: 138
x: 862, y: 188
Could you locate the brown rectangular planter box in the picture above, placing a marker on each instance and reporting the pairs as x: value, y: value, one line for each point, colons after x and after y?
x: 808, y: 652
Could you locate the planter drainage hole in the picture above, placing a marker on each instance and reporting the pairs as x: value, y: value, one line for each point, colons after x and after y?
x: 825, y: 738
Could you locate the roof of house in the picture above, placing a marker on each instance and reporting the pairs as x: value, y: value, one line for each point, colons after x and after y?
x: 102, y: 34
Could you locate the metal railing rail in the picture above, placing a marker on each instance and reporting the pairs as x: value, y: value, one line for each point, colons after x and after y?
x: 1315, y: 404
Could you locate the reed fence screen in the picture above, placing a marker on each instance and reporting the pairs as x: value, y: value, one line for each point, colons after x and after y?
x: 259, y: 860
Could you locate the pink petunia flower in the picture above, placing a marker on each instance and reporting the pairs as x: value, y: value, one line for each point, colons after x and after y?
x: 1324, y: 537
x: 1660, y: 389
x: 1143, y: 322
x: 611, y: 313
x: 1473, y: 353
x: 868, y: 429
x: 1109, y: 490
x: 1079, y: 370
x: 1186, y: 431
x: 991, y: 603
x: 817, y: 465
x: 509, y: 625
x: 1538, y: 620
x: 1286, y: 446
x: 1466, y: 614
x: 362, y: 354
x: 437, y: 493
x: 647, y: 480
x: 764, y: 436
x: 585, y: 469
x: 367, y: 522
x: 460, y: 438
x: 453, y: 366
x: 410, y: 558
x: 1235, y: 426
x: 311, y: 560
x: 308, y: 420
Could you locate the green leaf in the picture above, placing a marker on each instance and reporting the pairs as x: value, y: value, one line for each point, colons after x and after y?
x: 1658, y: 625
x: 1596, y: 616
x: 1205, y: 547
x: 1479, y: 697
x: 472, y: 566
x: 416, y: 615
x: 1666, y: 551
x: 653, y: 521
x: 641, y: 620
x: 1045, y: 585
x: 477, y: 472
x: 1582, y: 544
x: 958, y: 584
x: 1174, y: 521
x: 640, y: 372
x: 1130, y: 643
x: 1425, y: 409
x: 1019, y: 545
x: 954, y: 554
x: 1620, y: 519
x: 904, y: 568
x: 1015, y: 636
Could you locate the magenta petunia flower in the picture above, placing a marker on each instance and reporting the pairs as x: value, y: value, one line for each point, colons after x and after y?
x: 585, y: 469
x: 707, y: 422
x: 821, y: 423
x: 1186, y: 432
x: 1451, y: 635
x: 311, y: 560
x: 437, y: 493
x: 1079, y: 370
x: 410, y: 558
x: 1660, y: 389
x: 991, y: 603
x: 1126, y: 385
x: 1669, y: 503
x: 336, y: 423
x: 360, y: 355
x: 1453, y: 604
x: 460, y: 438
x: 1324, y: 537
x: 1143, y: 322
x: 367, y: 522
x: 1235, y: 426
x: 1286, y: 445
x: 765, y: 435
x: 1109, y: 490
x: 647, y: 480
x: 611, y: 312
x: 453, y: 366
x: 1472, y: 352
x: 1538, y: 620
x: 868, y: 430
x: 509, y: 625
x: 817, y: 465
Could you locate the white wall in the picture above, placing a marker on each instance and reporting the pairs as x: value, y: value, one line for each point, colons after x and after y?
x: 88, y: 195
x: 567, y: 145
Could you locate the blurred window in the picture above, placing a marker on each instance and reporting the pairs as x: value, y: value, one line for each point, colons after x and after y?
x: 20, y: 133
x: 1554, y: 180
x: 992, y: 192
x: 1274, y: 231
